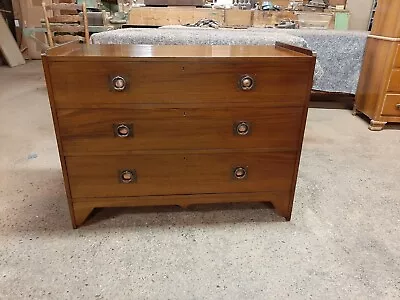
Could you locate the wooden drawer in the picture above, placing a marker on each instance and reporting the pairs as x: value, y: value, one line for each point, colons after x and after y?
x: 394, y: 82
x: 391, y: 107
x: 87, y: 84
x: 86, y: 131
x: 166, y: 174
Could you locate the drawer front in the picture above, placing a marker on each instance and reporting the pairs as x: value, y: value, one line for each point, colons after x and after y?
x: 391, y: 107
x: 101, y: 130
x: 394, y: 83
x: 87, y: 84
x: 138, y: 175
x: 397, y: 59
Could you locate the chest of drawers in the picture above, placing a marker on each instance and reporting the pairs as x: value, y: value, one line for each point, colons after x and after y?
x: 378, y: 92
x: 141, y: 125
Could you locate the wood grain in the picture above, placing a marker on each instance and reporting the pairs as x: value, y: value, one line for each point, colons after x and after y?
x: 397, y: 59
x: 97, y: 176
x: 374, y: 78
x: 181, y: 106
x: 394, y: 81
x: 391, y: 107
x: 210, y: 53
x: 380, y: 74
x: 65, y: 19
x: 91, y: 130
x: 177, y: 82
x: 58, y: 137
x: 386, y: 19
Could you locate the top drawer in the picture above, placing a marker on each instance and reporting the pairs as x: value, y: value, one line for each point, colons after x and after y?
x: 88, y: 84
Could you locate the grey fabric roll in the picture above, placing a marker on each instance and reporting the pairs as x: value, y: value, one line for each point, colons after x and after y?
x: 340, y: 54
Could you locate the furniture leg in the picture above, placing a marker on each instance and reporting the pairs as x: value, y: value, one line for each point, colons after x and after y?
x: 81, y: 214
x: 283, y: 207
x: 355, y: 111
x: 376, y: 125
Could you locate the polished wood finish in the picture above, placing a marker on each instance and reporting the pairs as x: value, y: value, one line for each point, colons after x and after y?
x: 162, y: 125
x: 182, y: 81
x: 397, y: 59
x: 171, y: 174
x: 136, y: 53
x: 391, y: 107
x: 85, y: 131
x: 380, y: 74
x: 386, y: 19
x: 394, y: 81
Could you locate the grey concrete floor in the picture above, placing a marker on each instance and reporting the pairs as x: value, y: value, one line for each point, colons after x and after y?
x: 342, y: 243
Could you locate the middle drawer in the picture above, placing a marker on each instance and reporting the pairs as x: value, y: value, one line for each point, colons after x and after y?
x: 100, y: 130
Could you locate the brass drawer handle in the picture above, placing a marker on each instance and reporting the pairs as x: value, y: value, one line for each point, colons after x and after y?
x: 246, y: 83
x: 398, y: 106
x: 118, y: 83
x: 242, y: 128
x: 123, y: 130
x: 127, y: 176
x: 240, y: 173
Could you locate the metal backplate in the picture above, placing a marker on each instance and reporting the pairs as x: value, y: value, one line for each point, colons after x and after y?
x: 130, y: 127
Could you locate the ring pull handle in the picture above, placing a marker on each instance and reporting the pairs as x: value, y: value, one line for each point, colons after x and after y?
x: 127, y: 176
x: 246, y: 83
x: 242, y: 128
x: 123, y: 130
x: 240, y: 173
x: 118, y: 83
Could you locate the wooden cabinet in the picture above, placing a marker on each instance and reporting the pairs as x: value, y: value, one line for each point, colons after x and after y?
x: 378, y: 93
x: 178, y: 125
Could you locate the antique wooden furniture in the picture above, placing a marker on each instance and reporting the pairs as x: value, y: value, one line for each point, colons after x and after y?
x: 378, y: 93
x: 64, y: 23
x: 178, y: 125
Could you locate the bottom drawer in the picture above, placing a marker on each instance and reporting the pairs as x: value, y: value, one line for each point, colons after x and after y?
x: 391, y: 107
x: 173, y: 174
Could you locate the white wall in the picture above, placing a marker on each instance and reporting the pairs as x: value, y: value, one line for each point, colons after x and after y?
x: 360, y: 11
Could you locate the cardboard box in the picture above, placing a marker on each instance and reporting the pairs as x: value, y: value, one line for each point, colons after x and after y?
x: 32, y: 13
x: 161, y: 16
x: 238, y: 18
x: 174, y: 2
x: 337, y: 2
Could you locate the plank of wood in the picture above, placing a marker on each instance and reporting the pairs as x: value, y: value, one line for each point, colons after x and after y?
x: 62, y: 39
x: 67, y: 28
x: 64, y: 6
x: 65, y: 19
x: 8, y: 46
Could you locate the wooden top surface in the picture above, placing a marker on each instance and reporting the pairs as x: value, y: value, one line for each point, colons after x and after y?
x: 75, y: 51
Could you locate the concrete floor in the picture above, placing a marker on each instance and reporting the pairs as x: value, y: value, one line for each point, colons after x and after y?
x: 343, y: 241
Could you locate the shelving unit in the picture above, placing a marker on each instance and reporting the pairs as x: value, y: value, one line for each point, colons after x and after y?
x: 372, y: 16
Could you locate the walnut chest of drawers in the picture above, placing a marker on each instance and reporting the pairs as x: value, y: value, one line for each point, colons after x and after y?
x: 141, y: 125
